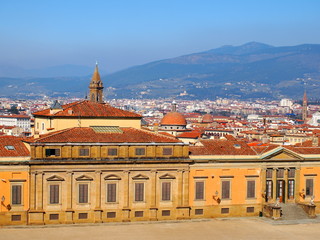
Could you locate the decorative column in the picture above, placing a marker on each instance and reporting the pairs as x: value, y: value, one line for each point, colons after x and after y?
x: 98, y: 210
x: 36, y: 213
x: 153, y: 199
x: 286, y: 184
x: 69, y: 210
x: 263, y: 182
x: 33, y: 176
x: 126, y: 197
x: 274, y: 184
x: 183, y: 210
x: 297, y: 184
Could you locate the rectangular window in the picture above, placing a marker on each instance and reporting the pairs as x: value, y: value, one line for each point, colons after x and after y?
x: 84, y: 152
x: 269, y: 173
x: 166, y: 191
x: 54, y: 194
x: 111, y: 214
x: 140, y: 151
x: 83, y: 193
x: 199, y: 191
x: 250, y: 209
x: 198, y: 212
x: 54, y: 217
x: 111, y: 192
x: 138, y: 213
x: 251, y: 189
x: 225, y: 193
x: 112, y: 151
x: 291, y: 189
x: 16, y: 191
x: 224, y: 210
x: 139, y: 192
x: 280, y: 173
x: 83, y: 216
x: 165, y: 213
x: 291, y: 173
x: 15, y: 218
x: 269, y: 189
x: 309, y: 187
x: 52, y: 152
x: 167, y: 151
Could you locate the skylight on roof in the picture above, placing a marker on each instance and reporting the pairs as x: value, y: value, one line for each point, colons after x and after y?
x: 9, y: 147
x: 106, y: 129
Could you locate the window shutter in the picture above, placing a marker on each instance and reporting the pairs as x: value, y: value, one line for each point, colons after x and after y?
x: 166, y: 191
x: 112, y: 190
x: 225, y: 190
x: 251, y: 189
x: 16, y: 194
x: 83, y: 193
x: 139, y: 192
x: 54, y: 194
x: 199, y: 190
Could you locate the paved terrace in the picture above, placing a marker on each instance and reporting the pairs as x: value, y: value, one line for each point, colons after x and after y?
x: 222, y: 229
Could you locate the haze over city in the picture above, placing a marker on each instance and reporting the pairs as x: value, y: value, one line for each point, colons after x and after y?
x: 120, y: 34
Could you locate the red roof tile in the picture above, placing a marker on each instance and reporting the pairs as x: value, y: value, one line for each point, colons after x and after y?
x: 19, y: 150
x: 88, y: 135
x: 87, y: 108
x: 222, y: 147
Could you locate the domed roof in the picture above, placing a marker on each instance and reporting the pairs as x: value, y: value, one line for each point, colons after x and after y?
x: 173, y: 118
x: 207, y: 118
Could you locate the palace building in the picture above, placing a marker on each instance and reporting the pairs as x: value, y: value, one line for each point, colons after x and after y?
x: 89, y: 162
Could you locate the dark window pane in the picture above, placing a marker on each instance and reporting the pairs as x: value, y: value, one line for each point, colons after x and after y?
x: 16, y: 194
x: 225, y: 190
x: 140, y: 151
x: 251, y: 187
x: 269, y: 173
x: 291, y: 173
x: 139, y: 192
x: 112, y: 152
x: 54, y: 194
x: 84, y: 152
x: 166, y: 191
x: 199, y: 190
x: 309, y: 187
x: 167, y: 151
x: 111, y: 192
x: 165, y: 213
x: 83, y: 193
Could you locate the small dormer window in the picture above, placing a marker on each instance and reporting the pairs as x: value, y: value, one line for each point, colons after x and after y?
x: 9, y: 147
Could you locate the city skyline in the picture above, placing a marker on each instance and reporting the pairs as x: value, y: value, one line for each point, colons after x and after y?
x: 124, y: 34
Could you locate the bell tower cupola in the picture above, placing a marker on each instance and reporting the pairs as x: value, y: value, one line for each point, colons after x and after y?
x: 96, y: 87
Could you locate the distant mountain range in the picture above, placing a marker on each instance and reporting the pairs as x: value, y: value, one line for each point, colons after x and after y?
x: 252, y: 70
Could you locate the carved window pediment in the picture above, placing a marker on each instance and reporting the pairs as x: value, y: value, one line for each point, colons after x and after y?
x: 112, y: 177
x: 55, y: 178
x: 140, y: 177
x: 167, y: 176
x: 84, y: 178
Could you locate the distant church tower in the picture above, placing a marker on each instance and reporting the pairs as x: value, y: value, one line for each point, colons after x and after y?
x: 96, y: 87
x: 305, y: 107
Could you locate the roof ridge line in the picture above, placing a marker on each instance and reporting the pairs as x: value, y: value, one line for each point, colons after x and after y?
x: 156, y: 134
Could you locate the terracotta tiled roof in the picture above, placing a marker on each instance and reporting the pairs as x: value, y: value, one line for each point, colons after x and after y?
x: 14, y: 116
x: 193, y: 134
x: 88, y: 135
x: 87, y: 108
x: 173, y: 118
x: 222, y: 147
x: 304, y: 150
x: 18, y: 150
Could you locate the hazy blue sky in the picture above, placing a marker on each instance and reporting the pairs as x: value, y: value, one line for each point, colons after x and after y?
x: 122, y: 33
